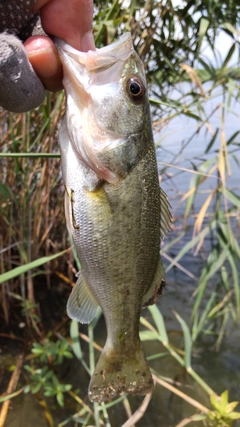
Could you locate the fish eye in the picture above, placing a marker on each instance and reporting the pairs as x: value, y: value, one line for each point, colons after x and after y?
x: 136, y: 88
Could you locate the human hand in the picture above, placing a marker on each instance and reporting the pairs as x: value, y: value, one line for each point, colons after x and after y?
x: 20, y: 87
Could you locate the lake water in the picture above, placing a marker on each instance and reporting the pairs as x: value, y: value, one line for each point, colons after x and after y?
x: 182, y: 144
x: 181, y: 135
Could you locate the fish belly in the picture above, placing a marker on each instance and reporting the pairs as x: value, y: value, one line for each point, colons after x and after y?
x: 116, y: 231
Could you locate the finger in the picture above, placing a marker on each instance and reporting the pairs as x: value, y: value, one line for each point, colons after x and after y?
x: 44, y: 58
x: 70, y: 21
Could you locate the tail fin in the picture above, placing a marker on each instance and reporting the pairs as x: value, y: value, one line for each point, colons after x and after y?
x: 116, y: 374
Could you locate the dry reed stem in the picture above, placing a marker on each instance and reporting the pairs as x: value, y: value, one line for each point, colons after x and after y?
x: 186, y: 421
x: 194, y: 77
x: 180, y: 267
x: 138, y: 414
x: 80, y: 401
x: 11, y: 388
x: 86, y: 338
x: 127, y: 408
x: 47, y: 413
x: 183, y: 396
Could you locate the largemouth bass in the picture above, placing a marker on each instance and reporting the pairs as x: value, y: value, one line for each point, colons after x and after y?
x: 115, y: 210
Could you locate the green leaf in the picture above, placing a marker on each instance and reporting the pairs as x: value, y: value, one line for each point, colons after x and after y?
x: 24, y: 268
x: 12, y: 395
x: 35, y: 389
x: 187, y: 341
x: 32, y: 155
x: 231, y: 406
x: 199, y: 327
x: 76, y: 345
x: 74, y: 334
x: 157, y: 356
x: 211, y: 143
x: 148, y: 336
x: 215, y: 401
x: 159, y: 321
x: 224, y: 398
x: 49, y: 391
x: 231, y: 88
x: 229, y: 55
x: 203, y: 27
x: 234, y: 415
x: 68, y: 355
x: 66, y: 387
x: 233, y: 137
x: 232, y: 197
x: 235, y: 276
x: 231, y: 28
x: 214, y: 263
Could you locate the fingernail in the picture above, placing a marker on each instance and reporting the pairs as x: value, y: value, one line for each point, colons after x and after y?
x: 87, y: 42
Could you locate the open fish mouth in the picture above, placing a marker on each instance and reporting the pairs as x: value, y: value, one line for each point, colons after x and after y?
x: 100, y: 58
x: 80, y: 67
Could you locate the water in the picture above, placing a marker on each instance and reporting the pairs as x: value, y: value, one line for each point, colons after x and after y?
x: 183, y: 135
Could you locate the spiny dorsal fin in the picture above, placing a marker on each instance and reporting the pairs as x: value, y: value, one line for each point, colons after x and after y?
x: 166, y: 217
x: 81, y: 305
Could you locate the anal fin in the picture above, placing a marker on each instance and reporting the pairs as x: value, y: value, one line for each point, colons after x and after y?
x: 156, y: 287
x: 81, y: 304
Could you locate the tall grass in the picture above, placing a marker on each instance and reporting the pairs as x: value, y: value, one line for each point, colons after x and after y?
x: 31, y: 207
x: 34, y: 243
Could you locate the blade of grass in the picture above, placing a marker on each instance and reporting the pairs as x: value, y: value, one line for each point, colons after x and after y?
x: 76, y: 346
x: 32, y: 155
x: 34, y: 264
x: 159, y: 321
x: 187, y: 341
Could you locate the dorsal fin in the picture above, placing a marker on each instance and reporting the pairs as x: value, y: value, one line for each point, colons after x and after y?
x: 166, y: 217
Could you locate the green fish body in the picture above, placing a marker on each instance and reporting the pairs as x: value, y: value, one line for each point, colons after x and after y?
x: 115, y: 209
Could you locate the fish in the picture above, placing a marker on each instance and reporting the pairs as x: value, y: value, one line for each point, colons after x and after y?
x: 115, y: 210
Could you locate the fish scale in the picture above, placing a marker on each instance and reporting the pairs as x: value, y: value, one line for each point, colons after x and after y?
x: 115, y: 209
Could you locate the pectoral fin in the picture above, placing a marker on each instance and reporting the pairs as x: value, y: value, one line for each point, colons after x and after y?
x: 81, y: 304
x: 156, y: 287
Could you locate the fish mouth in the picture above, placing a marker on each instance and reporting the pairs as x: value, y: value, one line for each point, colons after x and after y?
x: 100, y: 58
x: 83, y: 70
x: 79, y: 67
